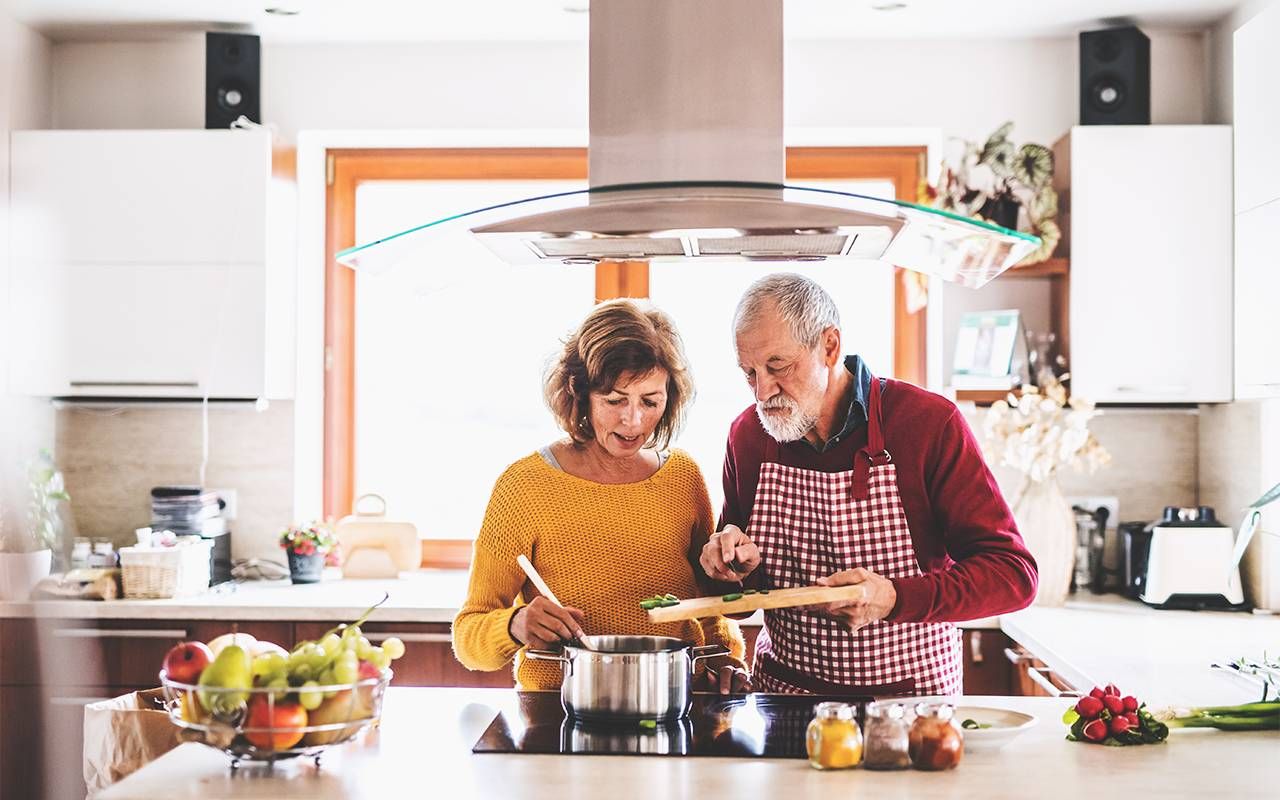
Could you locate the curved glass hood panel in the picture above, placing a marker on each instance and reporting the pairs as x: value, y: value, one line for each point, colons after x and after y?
x: 712, y: 220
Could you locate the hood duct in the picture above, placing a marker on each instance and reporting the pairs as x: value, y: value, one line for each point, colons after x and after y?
x: 686, y: 161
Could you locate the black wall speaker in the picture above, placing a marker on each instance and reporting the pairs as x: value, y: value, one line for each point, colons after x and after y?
x: 1115, y: 77
x: 231, y: 84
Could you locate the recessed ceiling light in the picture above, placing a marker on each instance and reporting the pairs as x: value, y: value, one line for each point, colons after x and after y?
x: 888, y: 6
x: 284, y: 9
x: 577, y: 8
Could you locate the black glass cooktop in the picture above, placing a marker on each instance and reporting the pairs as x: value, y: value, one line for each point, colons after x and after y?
x: 747, y: 726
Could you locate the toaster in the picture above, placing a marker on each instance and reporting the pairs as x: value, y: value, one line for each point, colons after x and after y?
x: 1189, y: 562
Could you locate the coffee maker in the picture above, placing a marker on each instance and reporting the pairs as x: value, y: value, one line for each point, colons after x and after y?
x: 1183, y: 560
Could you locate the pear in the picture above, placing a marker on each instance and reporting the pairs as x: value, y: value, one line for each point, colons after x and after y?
x: 347, y: 705
x: 244, y: 640
x: 232, y: 669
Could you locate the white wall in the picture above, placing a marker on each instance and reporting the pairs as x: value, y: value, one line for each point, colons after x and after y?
x: 1218, y: 56
x: 26, y: 425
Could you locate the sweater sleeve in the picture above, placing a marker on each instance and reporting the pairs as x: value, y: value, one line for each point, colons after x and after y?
x: 481, y: 631
x: 992, y: 570
x: 715, y: 630
x: 731, y: 512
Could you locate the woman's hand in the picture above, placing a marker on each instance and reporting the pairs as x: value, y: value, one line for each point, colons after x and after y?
x: 729, y: 555
x: 725, y: 680
x: 543, y: 624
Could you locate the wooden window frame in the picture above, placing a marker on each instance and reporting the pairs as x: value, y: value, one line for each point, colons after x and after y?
x: 347, y: 168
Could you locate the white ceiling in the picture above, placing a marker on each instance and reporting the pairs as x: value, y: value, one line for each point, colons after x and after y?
x: 566, y: 20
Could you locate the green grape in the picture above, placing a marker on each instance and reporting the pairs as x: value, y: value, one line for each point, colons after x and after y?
x: 309, y: 697
x: 297, y: 657
x: 346, y: 671
x: 393, y: 647
x: 351, y: 632
x: 331, y: 643
x: 279, y: 686
x: 364, y: 649
x: 267, y: 665
x: 379, y: 658
x: 300, y: 674
x: 327, y: 679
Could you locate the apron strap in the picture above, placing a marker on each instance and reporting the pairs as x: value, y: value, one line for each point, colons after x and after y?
x: 771, y: 666
x: 874, y: 454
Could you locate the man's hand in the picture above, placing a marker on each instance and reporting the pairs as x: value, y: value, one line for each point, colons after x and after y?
x: 542, y: 624
x: 726, y: 550
x: 878, y: 602
x: 725, y: 680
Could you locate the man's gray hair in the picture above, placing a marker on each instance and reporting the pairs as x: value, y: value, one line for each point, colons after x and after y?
x: 804, y: 306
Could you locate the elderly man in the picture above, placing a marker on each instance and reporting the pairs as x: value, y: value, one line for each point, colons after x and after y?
x: 837, y: 477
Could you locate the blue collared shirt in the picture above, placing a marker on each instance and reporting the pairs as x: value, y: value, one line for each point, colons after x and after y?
x: 857, y: 414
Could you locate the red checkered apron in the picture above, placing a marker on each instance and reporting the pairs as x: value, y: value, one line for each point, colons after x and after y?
x: 809, y: 524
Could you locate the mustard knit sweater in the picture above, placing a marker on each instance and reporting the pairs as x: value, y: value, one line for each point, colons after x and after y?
x: 601, y: 548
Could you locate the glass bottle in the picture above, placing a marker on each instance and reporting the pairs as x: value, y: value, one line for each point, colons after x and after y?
x: 80, y: 552
x: 833, y: 740
x: 887, y: 737
x: 936, y: 741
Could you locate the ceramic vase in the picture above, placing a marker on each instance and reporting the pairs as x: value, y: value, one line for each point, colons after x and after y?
x: 1049, y: 528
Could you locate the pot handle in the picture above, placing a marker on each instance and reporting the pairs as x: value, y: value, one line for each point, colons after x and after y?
x: 714, y: 650
x: 550, y: 655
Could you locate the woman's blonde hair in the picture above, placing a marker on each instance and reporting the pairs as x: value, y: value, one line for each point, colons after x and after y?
x: 617, y: 338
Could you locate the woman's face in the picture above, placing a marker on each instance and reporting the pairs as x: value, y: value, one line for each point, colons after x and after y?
x: 625, y: 417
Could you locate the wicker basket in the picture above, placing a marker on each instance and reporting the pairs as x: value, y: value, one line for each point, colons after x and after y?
x: 156, y: 572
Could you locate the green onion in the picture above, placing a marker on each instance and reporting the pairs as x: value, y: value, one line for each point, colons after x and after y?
x: 1246, y: 717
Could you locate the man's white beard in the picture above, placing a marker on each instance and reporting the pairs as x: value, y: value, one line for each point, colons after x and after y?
x: 789, y: 428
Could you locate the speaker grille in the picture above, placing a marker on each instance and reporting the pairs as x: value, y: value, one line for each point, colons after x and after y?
x: 231, y: 79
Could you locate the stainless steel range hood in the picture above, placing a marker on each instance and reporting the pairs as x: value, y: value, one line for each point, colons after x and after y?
x: 686, y: 162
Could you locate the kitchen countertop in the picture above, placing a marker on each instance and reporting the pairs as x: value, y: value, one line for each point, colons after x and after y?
x: 427, y: 734
x: 1161, y: 656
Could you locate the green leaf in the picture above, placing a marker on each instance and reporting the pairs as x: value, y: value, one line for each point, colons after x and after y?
x: 1111, y: 741
x: 59, y: 496
x: 1070, y: 716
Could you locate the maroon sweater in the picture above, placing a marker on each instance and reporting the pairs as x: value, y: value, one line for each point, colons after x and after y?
x: 967, y: 544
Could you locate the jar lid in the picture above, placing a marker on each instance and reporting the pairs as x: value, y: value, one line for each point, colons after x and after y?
x: 832, y: 710
x: 887, y: 710
x: 943, y: 711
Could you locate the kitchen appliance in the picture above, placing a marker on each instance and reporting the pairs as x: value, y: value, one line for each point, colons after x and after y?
x: 1188, y: 562
x: 1091, y: 537
x: 686, y: 161
x: 628, y: 677
x: 192, y: 511
x: 743, y: 726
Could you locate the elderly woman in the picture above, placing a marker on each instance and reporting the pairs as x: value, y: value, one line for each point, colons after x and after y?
x: 608, y: 515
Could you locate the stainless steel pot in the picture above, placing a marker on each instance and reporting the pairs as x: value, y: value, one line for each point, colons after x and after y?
x: 628, y: 677
x: 673, y: 737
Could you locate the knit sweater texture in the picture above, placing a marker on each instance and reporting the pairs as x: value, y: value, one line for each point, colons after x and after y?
x: 601, y: 548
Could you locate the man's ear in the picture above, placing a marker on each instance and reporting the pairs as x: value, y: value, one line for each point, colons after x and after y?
x: 831, y: 346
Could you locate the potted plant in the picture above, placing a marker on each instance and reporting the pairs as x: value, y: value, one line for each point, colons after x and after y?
x: 307, y: 546
x: 26, y: 553
x: 1037, y: 433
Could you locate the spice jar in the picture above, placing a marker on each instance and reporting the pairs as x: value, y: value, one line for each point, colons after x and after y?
x: 834, y: 740
x: 887, y: 737
x: 936, y: 741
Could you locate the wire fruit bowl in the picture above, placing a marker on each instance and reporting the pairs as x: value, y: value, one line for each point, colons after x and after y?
x: 268, y: 724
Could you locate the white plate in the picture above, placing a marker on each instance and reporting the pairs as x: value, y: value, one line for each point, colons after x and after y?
x: 1005, y: 726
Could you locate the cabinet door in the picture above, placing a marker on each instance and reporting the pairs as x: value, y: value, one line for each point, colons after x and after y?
x: 1151, y: 264
x: 140, y: 197
x: 1256, y: 113
x: 428, y: 655
x: 1257, y: 324
x: 986, y: 668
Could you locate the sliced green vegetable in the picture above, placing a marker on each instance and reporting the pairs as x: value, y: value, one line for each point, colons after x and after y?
x: 648, y: 605
x: 971, y: 725
x: 732, y: 596
x: 748, y: 591
x: 649, y: 724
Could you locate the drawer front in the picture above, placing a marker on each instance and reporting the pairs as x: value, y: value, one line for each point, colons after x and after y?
x: 428, y: 654
x: 1032, y: 678
x: 125, y: 653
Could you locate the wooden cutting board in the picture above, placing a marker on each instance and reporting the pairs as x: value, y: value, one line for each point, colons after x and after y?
x: 697, y: 607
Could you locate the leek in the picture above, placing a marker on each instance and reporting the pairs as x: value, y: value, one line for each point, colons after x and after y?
x: 1246, y: 717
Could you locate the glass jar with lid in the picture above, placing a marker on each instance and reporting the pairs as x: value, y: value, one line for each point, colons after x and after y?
x: 833, y: 739
x: 936, y: 741
x: 887, y: 737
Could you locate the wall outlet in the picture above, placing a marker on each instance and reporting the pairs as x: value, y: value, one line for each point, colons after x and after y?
x: 1094, y: 502
x: 229, y: 497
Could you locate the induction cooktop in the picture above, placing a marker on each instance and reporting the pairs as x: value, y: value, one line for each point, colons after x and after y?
x: 745, y: 726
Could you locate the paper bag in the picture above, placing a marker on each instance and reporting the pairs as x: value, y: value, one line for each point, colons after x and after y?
x: 123, y: 735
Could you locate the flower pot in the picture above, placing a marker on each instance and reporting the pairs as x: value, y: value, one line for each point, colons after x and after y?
x: 306, y: 569
x: 1048, y: 527
x: 20, y: 572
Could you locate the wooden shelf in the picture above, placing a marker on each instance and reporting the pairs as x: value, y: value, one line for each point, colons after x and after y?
x: 1053, y: 267
x: 982, y: 397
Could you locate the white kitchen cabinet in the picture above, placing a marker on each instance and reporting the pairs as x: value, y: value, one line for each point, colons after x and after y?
x: 1255, y: 76
x: 1151, y: 263
x: 1257, y: 291
x: 141, y: 264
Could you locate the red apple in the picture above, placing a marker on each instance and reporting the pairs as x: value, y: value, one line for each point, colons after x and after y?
x: 286, y: 721
x: 369, y: 670
x: 184, y: 662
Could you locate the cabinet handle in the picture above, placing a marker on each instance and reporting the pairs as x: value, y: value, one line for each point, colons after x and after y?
x: 1179, y: 389
x: 75, y: 701
x: 425, y: 638
x: 119, y: 633
x: 975, y: 647
x: 1039, y: 676
x: 156, y: 384
x: 1015, y: 657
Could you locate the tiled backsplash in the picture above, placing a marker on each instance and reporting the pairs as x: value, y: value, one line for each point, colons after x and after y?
x: 112, y: 457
